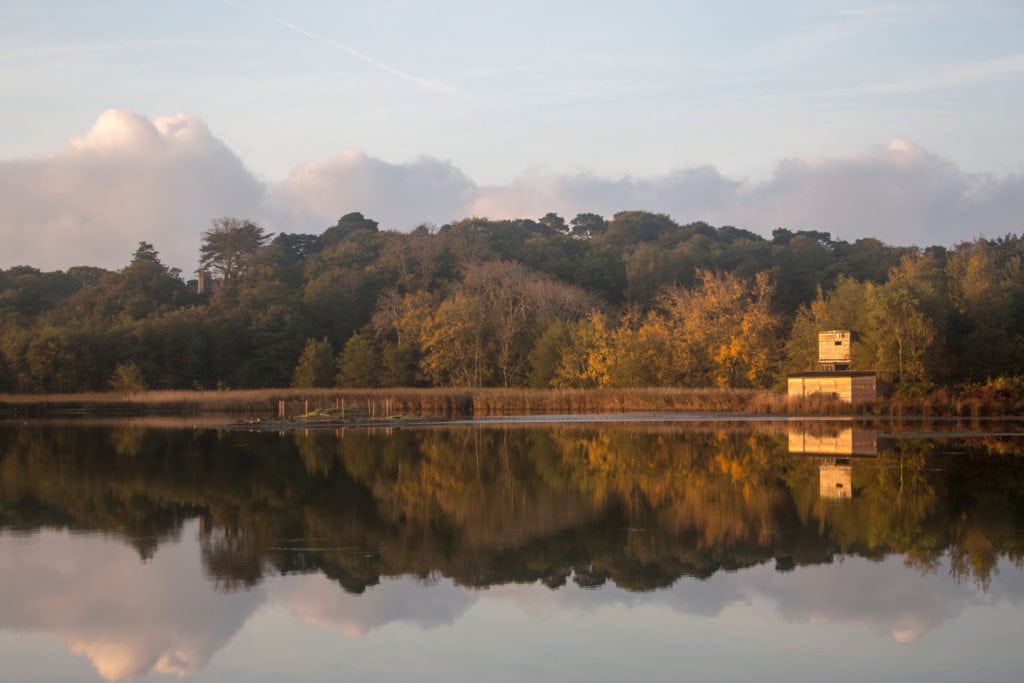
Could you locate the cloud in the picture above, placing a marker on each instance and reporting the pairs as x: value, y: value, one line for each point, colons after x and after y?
x: 900, y: 193
x: 399, y: 196
x: 128, y: 179
x: 693, y: 192
x: 131, y: 178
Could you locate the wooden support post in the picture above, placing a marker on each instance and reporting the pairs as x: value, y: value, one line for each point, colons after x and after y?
x: 307, y: 406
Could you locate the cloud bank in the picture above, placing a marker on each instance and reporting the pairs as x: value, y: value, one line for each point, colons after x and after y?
x: 128, y: 179
x: 131, y: 178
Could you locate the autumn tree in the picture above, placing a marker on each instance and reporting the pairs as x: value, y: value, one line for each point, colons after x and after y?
x: 127, y: 378
x: 584, y: 362
x: 484, y: 331
x: 723, y: 331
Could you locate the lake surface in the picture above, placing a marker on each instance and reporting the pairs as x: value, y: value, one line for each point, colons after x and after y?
x: 668, y: 549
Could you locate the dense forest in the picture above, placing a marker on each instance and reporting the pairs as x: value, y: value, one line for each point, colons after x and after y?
x: 637, y: 300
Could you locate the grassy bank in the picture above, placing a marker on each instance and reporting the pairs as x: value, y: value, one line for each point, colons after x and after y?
x: 461, y: 403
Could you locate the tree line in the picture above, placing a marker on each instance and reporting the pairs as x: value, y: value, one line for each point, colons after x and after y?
x: 637, y: 300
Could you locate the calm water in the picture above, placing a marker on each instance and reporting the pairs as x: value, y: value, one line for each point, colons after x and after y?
x: 652, y: 551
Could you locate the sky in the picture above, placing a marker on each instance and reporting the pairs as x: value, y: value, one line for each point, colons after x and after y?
x: 140, y: 121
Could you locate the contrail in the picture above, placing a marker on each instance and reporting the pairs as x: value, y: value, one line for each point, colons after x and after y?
x: 423, y: 82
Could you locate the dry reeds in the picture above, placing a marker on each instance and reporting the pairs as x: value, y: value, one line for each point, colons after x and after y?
x: 381, y: 403
x: 450, y: 403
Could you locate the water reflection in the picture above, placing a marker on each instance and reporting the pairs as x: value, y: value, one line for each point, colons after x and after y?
x: 828, y: 439
x: 146, y: 550
x: 126, y: 617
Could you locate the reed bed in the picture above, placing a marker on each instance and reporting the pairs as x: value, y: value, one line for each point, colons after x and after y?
x: 452, y: 403
x: 428, y: 403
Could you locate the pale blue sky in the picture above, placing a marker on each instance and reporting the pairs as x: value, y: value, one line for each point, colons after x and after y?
x: 611, y: 87
x: 131, y: 120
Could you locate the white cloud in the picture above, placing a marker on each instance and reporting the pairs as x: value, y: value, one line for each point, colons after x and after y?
x: 128, y: 179
x: 688, y: 194
x: 399, y: 196
x: 901, y: 194
x: 131, y: 178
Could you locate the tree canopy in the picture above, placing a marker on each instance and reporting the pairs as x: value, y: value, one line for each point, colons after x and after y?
x: 638, y: 300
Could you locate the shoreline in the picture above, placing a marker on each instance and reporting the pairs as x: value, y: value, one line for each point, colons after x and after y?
x: 404, y: 405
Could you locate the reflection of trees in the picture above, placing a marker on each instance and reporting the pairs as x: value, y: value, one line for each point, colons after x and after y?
x: 986, y: 513
x: 891, y: 510
x: 642, y: 507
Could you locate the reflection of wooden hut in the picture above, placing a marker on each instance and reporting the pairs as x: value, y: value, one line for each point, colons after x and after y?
x: 834, y: 379
x: 835, y: 479
x: 846, y: 441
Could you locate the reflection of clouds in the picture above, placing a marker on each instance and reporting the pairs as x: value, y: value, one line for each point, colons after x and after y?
x: 317, y: 601
x: 687, y: 596
x: 884, y: 596
x: 1008, y: 585
x: 127, y: 617
x: 131, y: 618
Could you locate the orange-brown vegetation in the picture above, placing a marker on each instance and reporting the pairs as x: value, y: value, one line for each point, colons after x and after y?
x: 999, y: 397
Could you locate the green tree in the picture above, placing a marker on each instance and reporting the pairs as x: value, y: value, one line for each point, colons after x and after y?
x: 634, y: 227
x: 49, y: 364
x: 346, y: 227
x: 228, y: 246
x: 555, y: 222
x: 586, y: 225
x: 316, y: 365
x: 397, y: 365
x: 982, y: 298
x: 901, y: 332
x: 603, y: 271
x: 358, y: 363
x: 547, y: 354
